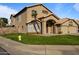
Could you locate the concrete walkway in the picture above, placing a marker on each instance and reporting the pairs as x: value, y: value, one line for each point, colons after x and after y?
x: 16, y: 48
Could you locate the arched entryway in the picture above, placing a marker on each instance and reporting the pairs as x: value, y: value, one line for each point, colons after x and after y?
x: 50, y: 26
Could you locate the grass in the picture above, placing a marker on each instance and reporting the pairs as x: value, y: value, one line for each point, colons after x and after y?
x: 48, y: 40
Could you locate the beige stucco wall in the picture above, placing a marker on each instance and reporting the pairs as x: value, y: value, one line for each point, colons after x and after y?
x: 8, y: 30
x: 56, y: 30
x: 13, y: 21
x: 73, y: 30
x: 31, y: 28
x: 50, y: 18
x: 39, y: 11
x: 65, y: 28
x: 21, y: 22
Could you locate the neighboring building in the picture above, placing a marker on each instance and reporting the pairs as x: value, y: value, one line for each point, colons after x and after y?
x: 68, y: 26
x: 39, y: 19
x: 3, y: 22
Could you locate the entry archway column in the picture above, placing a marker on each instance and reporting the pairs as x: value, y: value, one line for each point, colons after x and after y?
x: 43, y: 27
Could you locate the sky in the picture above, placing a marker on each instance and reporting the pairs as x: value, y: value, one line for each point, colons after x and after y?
x: 62, y: 10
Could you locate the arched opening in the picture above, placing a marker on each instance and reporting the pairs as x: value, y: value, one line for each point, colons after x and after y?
x: 50, y: 28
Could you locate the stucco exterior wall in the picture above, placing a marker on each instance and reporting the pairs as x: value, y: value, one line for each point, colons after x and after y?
x: 69, y: 30
x: 39, y: 10
x: 66, y: 29
x: 13, y: 21
x: 73, y: 30
x: 8, y: 30
x: 21, y: 22
x: 33, y: 28
x: 50, y: 18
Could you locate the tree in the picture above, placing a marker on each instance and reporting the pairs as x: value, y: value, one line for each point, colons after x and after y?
x: 3, y: 22
x: 34, y: 14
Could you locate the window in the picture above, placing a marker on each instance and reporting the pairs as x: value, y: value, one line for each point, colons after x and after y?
x: 22, y: 27
x: 19, y: 18
x: 71, y: 23
x: 39, y: 11
x: 78, y: 29
x: 44, y: 11
x: 59, y: 29
x: 13, y: 25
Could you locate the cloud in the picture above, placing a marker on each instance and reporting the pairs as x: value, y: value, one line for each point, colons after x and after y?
x: 76, y: 7
x: 6, y: 11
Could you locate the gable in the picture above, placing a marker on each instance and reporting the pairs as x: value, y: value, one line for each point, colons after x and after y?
x: 77, y: 21
x: 70, y: 22
x: 42, y: 11
x: 49, y: 17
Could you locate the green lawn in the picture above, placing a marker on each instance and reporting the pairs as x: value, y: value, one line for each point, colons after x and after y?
x: 49, y: 40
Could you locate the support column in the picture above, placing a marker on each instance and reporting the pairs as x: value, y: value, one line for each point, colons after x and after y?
x: 54, y: 29
x: 44, y: 27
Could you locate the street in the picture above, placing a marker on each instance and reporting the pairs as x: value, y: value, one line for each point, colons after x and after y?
x: 3, y: 52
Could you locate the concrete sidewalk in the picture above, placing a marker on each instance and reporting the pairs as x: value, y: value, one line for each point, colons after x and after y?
x: 16, y: 48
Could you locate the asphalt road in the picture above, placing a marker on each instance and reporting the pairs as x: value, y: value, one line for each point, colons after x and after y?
x: 3, y: 51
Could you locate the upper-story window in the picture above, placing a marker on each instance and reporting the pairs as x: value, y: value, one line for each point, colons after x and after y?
x: 19, y: 18
x: 22, y: 27
x: 39, y: 11
x: 44, y: 11
x: 70, y: 23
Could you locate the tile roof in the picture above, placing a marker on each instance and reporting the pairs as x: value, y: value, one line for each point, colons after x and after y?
x: 61, y: 21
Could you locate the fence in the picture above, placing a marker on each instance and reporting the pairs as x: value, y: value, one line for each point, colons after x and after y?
x: 7, y: 30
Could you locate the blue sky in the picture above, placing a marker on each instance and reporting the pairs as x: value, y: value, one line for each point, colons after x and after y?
x: 62, y: 10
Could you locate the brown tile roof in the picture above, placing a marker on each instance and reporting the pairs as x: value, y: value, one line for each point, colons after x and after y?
x: 65, y: 20
x: 61, y: 21
x: 77, y: 21
x: 45, y: 16
x: 34, y: 6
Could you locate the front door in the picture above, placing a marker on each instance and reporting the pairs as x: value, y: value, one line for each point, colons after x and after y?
x: 50, y: 27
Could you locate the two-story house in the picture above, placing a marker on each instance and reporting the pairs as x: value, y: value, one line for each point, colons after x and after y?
x: 39, y: 19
